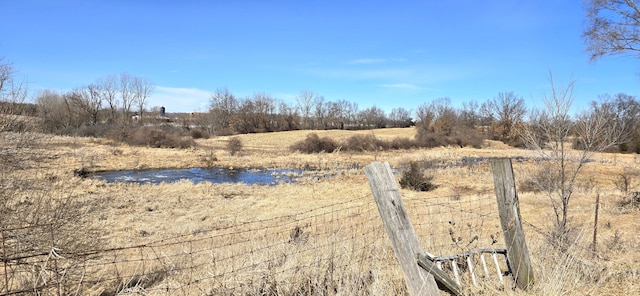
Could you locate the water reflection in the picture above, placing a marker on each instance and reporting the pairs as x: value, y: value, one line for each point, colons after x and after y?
x: 197, y: 175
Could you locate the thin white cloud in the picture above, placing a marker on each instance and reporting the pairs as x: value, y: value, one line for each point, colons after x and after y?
x: 342, y: 73
x: 409, y: 73
x: 366, y: 61
x: 177, y: 99
x: 400, y: 86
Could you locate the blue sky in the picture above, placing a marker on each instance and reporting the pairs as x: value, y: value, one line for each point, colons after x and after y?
x: 376, y: 53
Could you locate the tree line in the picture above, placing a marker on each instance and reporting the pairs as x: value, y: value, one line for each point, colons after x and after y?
x: 118, y: 101
x: 502, y: 117
x: 109, y: 100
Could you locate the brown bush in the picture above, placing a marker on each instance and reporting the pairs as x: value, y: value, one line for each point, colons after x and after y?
x: 158, y: 138
x: 359, y: 143
x: 472, y: 138
x: 314, y: 144
x: 428, y: 139
x: 544, y: 178
x: 356, y: 143
x: 224, y: 132
x: 414, y: 178
x: 402, y: 143
x: 234, y: 145
x: 199, y: 134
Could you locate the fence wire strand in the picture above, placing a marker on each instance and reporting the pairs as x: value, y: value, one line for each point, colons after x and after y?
x: 336, y: 247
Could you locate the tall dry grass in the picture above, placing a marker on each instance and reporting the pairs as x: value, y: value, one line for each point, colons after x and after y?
x: 151, y: 215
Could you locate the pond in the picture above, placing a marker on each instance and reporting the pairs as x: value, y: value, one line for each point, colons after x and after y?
x: 196, y: 175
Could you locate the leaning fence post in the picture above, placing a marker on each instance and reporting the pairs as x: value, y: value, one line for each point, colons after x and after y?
x: 517, y: 253
x: 399, y: 229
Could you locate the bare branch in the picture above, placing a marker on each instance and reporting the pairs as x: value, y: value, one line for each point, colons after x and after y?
x: 612, y: 27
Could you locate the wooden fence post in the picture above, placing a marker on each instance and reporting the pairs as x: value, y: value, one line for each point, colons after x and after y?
x: 399, y: 229
x: 517, y: 253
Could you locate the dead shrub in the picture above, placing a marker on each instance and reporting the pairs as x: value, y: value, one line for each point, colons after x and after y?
x: 360, y: 143
x: 158, y: 138
x: 542, y: 179
x: 234, y: 145
x: 199, y: 134
x: 631, y: 200
x: 625, y: 181
x: 314, y: 144
x: 471, y: 138
x: 414, y: 178
x: 50, y: 204
x: 224, y: 132
x: 562, y: 238
x: 427, y: 138
x: 209, y: 158
x: 92, y: 131
x: 399, y: 143
x: 615, y: 243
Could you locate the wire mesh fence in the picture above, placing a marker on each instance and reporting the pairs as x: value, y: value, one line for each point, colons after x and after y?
x: 26, y: 257
x: 340, y: 248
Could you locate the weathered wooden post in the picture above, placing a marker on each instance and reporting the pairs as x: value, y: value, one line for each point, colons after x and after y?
x: 399, y: 229
x: 508, y: 206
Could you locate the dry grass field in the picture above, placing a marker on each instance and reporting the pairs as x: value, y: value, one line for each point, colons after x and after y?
x: 124, y: 215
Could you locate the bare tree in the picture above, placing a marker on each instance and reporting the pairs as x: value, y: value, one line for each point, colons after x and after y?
x: 320, y: 112
x: 93, y: 99
x: 486, y: 115
x: 76, y: 107
x: 290, y: 118
x: 141, y: 88
x: 425, y: 115
x: 13, y: 95
x: 612, y: 27
x: 469, y: 115
x: 305, y: 101
x: 508, y: 110
x: 549, y: 134
x: 373, y: 117
x: 126, y: 96
x: 445, y: 117
x: 400, y: 117
x: 83, y: 105
x: 265, y: 109
x: 255, y: 114
x: 334, y: 115
x: 601, y: 128
x: 109, y: 87
x: 627, y: 113
x: 6, y: 75
x: 243, y: 120
x: 222, y: 106
x: 52, y: 111
x: 350, y: 111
